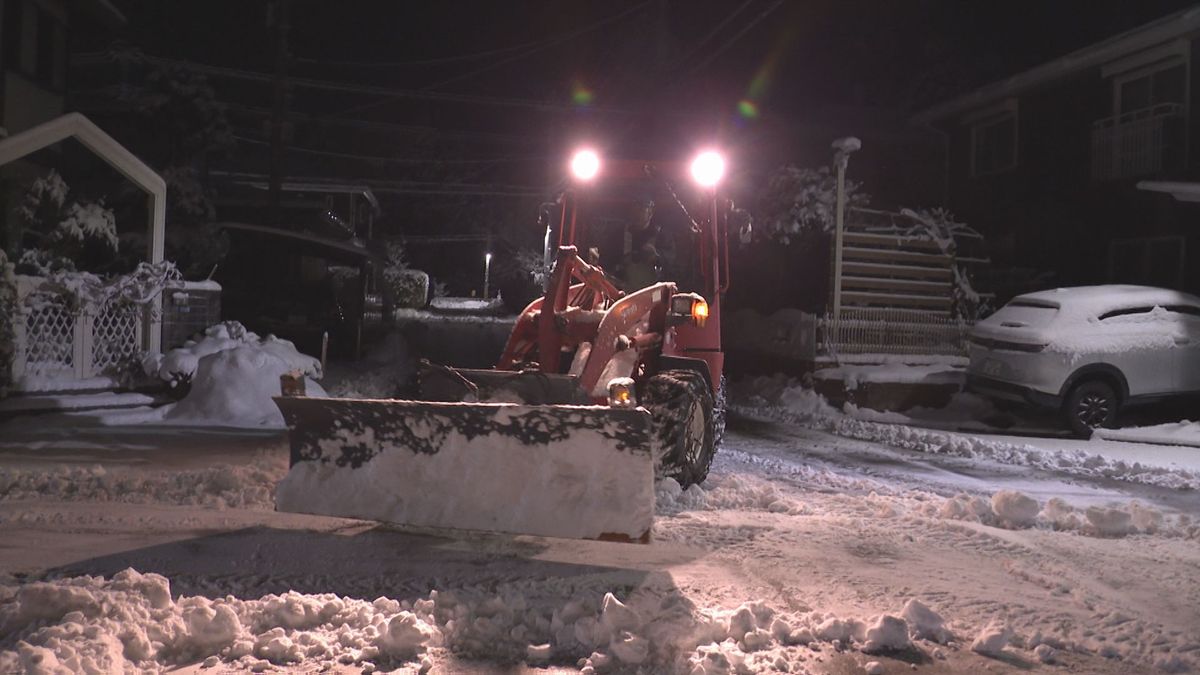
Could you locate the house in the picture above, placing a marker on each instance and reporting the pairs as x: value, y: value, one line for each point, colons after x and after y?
x: 34, y: 43
x: 1046, y: 163
x: 35, y: 38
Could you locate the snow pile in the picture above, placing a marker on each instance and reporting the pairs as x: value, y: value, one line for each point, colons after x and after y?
x: 1015, y: 510
x: 799, y: 405
x: 992, y: 640
x: 245, y: 486
x: 93, y: 625
x: 132, y: 622
x: 233, y: 375
x: 925, y: 623
x: 722, y: 492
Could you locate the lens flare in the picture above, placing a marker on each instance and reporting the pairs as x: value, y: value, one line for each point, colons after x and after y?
x: 581, y: 95
x: 747, y: 109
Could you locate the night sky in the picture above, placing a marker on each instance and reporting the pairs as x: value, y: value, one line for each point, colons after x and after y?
x: 639, y: 78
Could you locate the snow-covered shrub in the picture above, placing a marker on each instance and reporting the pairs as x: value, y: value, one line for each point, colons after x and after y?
x: 797, y: 200
x: 532, y: 264
x: 940, y: 226
x: 409, y: 287
x: 65, y: 230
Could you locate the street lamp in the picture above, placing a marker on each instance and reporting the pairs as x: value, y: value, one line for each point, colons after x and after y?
x: 487, y: 272
x: 843, y: 148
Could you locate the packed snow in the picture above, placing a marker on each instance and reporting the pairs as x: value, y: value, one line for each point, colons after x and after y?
x: 820, y: 543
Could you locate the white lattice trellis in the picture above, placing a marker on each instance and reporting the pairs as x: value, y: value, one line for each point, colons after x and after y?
x: 61, y: 339
x: 116, y: 336
x: 49, y: 340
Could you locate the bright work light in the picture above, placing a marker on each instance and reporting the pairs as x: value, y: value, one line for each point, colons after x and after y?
x: 708, y: 168
x: 585, y: 165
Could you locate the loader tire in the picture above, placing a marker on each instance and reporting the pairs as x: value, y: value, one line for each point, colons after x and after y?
x: 681, y: 403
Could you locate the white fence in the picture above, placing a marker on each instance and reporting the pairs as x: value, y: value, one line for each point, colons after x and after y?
x: 891, y: 331
x: 59, y: 339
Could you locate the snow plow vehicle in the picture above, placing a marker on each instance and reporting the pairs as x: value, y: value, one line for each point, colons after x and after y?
x: 597, y: 391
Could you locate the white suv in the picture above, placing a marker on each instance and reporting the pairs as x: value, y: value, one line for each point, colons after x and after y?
x: 1088, y: 351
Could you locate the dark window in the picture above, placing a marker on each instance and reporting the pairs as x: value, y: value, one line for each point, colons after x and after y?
x: 12, y: 34
x: 994, y: 145
x: 1126, y: 312
x: 1149, y: 261
x: 1139, y: 92
x: 1184, y: 309
x: 44, y: 66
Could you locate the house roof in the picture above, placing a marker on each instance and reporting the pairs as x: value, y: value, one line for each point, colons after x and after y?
x: 1156, y: 32
x: 105, y: 12
x: 1181, y: 191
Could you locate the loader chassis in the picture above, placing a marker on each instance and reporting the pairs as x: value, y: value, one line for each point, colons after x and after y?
x: 542, y: 443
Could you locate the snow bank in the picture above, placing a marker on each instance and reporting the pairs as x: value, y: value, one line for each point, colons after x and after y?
x: 233, y: 375
x: 133, y: 622
x: 242, y: 486
x: 787, y: 401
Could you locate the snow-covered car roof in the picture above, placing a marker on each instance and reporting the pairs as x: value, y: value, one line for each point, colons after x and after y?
x: 1095, y: 300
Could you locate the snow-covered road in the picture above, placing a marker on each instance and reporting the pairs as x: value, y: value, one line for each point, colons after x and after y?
x: 813, y: 547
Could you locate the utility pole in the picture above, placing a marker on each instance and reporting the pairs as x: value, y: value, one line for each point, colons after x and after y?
x: 843, y: 148
x: 279, y: 19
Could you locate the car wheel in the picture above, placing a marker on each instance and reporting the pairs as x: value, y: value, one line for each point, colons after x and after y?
x: 1091, y: 405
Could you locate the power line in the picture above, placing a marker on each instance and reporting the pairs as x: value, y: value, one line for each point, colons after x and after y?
x: 395, y: 160
x: 533, y: 45
x: 737, y: 36
x: 713, y: 33
x: 331, y: 85
x: 517, y: 57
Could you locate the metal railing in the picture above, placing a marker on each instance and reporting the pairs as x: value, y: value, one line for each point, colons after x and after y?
x: 892, y: 331
x: 1138, y: 142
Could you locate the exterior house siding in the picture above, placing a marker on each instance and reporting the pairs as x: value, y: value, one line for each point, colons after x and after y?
x: 1069, y: 211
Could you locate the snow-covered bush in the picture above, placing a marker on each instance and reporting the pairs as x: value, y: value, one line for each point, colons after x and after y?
x: 940, y: 225
x: 409, y: 287
x: 65, y: 230
x: 798, y: 200
x: 532, y: 264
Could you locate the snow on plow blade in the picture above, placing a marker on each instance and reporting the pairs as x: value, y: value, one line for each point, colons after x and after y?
x: 557, y: 471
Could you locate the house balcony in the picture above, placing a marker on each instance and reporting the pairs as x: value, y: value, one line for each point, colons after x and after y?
x: 1138, y: 143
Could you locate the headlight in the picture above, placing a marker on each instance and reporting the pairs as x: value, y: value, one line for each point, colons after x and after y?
x: 585, y: 164
x: 621, y: 393
x: 708, y: 168
x: 689, y: 308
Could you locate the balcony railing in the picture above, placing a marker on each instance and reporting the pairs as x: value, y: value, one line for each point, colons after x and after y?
x: 1138, y: 142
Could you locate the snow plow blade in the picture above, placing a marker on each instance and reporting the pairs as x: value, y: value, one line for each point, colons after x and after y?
x: 571, y: 471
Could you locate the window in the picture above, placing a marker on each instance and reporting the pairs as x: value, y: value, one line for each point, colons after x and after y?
x: 12, y: 33
x: 1151, y: 261
x: 44, y: 66
x: 994, y: 139
x: 1163, y: 82
x: 1126, y: 312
